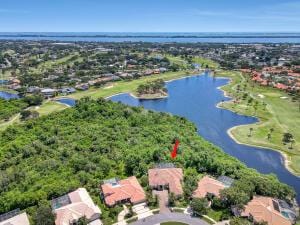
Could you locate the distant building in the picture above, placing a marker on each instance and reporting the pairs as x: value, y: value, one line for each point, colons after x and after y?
x: 148, y: 72
x: 165, y: 176
x: 75, y: 205
x: 33, y: 89
x: 14, y: 218
x: 48, y: 92
x: 163, y: 69
x: 156, y: 71
x: 116, y: 191
x: 82, y: 87
x: 67, y: 90
x: 269, y: 210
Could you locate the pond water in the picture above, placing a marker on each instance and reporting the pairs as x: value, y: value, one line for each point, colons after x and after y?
x: 7, y: 96
x: 195, y: 98
x: 67, y: 101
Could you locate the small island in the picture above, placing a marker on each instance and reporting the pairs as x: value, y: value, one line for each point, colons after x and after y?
x: 152, y: 90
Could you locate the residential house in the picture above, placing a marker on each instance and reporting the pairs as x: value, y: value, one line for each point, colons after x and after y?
x: 208, y: 185
x: 67, y: 90
x: 75, y: 205
x: 166, y: 176
x: 148, y: 72
x: 156, y: 71
x: 116, y: 191
x: 269, y: 210
x: 82, y: 87
x: 14, y: 218
x: 33, y: 89
x: 48, y: 92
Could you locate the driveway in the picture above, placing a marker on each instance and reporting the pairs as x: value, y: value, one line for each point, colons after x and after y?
x: 142, y: 210
x: 163, y: 198
x: 165, y: 217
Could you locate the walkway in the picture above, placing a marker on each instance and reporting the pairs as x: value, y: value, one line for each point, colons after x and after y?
x: 163, y: 198
x: 165, y: 217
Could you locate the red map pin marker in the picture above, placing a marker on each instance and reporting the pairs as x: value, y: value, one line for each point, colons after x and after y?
x: 174, y: 152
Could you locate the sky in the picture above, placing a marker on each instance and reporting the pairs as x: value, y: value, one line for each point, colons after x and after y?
x: 149, y: 15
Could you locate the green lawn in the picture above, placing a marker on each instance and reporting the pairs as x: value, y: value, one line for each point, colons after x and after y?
x: 173, y: 223
x: 275, y: 110
x: 177, y: 60
x: 126, y: 86
x: 49, y: 107
x: 118, y: 87
x: 51, y: 63
x: 204, y: 61
x: 216, y: 215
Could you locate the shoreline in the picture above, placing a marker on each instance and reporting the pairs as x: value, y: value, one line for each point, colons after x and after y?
x: 286, y: 161
x: 167, y: 81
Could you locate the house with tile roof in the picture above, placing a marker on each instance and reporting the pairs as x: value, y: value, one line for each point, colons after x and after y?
x: 166, y: 177
x: 75, y: 205
x: 208, y: 185
x: 14, y: 218
x: 128, y: 190
x: 269, y: 210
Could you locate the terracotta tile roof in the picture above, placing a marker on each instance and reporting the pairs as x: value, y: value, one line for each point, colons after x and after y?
x: 167, y: 176
x: 281, y: 86
x: 81, y: 205
x: 20, y: 219
x: 262, y: 209
x: 208, y: 185
x: 124, y: 189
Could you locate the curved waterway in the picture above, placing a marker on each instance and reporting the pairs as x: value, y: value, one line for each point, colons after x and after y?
x: 195, y: 98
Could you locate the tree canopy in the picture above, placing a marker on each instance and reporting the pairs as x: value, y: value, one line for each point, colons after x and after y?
x: 49, y: 156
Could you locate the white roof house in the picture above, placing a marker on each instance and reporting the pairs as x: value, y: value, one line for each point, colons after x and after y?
x: 20, y: 219
x: 75, y: 205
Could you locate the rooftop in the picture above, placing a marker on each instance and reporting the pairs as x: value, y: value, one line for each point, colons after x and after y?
x: 208, y: 185
x: 265, y: 209
x: 115, y: 191
x: 14, y: 218
x: 73, y: 206
x: 167, y: 176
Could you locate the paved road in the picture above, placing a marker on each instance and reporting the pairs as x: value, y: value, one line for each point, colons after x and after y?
x: 165, y: 217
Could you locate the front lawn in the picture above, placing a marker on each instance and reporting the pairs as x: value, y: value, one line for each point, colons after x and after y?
x: 173, y: 223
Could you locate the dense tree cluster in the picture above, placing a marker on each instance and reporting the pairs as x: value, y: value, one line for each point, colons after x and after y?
x: 8, y: 108
x: 98, y: 139
x: 156, y: 86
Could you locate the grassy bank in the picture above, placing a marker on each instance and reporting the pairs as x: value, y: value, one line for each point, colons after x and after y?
x: 127, y: 86
x: 275, y: 109
x: 117, y: 87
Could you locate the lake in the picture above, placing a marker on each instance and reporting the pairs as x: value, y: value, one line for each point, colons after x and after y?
x: 7, y: 95
x: 195, y: 98
x: 67, y: 101
x: 159, y: 37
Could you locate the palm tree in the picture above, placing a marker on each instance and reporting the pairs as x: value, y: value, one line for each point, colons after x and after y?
x: 270, y: 133
x: 292, y: 142
x: 250, y: 131
x: 287, y: 138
